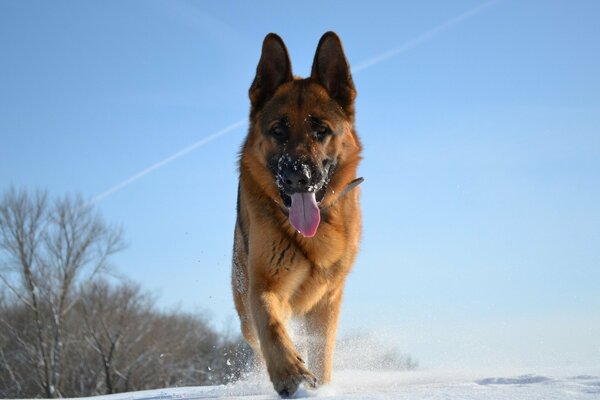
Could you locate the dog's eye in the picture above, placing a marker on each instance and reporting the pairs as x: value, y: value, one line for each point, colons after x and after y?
x: 278, y: 131
x: 321, y: 131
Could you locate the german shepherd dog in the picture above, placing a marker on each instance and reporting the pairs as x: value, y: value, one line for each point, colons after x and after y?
x: 298, y: 215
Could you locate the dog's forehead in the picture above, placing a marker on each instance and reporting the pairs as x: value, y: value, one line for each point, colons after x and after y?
x: 300, y: 99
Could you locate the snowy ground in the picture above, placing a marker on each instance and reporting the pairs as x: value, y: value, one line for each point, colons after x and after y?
x: 414, y: 385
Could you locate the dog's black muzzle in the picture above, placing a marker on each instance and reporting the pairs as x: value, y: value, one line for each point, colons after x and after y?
x: 301, y: 176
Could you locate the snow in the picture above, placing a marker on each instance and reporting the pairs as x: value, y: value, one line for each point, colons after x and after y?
x: 413, y: 385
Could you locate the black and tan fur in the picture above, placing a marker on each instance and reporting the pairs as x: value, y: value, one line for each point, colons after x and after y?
x: 277, y: 272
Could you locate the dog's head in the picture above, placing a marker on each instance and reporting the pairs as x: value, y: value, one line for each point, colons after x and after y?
x: 301, y: 143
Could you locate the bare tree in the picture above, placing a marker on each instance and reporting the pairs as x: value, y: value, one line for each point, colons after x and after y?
x: 64, y: 331
x: 129, y: 345
x: 115, y: 340
x: 115, y: 320
x: 45, y: 250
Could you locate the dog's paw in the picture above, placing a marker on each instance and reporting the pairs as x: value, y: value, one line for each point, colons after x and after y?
x: 287, y: 379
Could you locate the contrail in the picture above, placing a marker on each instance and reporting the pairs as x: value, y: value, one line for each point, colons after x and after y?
x: 167, y: 160
x: 412, y: 43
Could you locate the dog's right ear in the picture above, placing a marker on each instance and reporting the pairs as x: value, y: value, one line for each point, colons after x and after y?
x: 274, y: 68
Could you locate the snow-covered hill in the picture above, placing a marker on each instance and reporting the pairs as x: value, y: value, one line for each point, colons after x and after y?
x: 414, y: 385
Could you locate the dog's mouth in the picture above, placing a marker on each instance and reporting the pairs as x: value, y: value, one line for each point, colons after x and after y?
x: 287, y: 197
x: 303, y: 210
x: 304, y: 213
x: 302, y: 189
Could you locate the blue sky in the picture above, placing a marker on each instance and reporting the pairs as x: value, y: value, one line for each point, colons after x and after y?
x: 481, y: 203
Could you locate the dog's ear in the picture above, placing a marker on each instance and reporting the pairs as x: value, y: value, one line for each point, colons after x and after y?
x: 274, y: 68
x: 331, y: 69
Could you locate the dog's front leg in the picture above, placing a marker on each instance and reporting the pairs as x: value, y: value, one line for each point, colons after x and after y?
x: 286, y: 369
x: 322, y: 323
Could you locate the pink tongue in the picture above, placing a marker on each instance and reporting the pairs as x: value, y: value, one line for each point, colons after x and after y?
x: 304, y: 213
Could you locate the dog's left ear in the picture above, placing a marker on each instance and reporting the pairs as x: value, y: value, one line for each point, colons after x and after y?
x: 331, y: 69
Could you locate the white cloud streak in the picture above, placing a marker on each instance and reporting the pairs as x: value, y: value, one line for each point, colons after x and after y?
x: 171, y: 158
x: 424, y: 37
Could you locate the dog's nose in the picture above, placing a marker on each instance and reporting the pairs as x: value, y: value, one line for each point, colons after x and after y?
x: 297, y: 180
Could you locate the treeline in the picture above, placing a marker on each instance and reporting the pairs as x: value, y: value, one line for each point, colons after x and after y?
x: 115, y: 340
x: 65, y: 331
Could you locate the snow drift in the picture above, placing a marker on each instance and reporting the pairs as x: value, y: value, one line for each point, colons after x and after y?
x: 414, y: 385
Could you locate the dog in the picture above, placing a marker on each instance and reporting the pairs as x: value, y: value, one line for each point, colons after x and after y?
x: 298, y: 215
